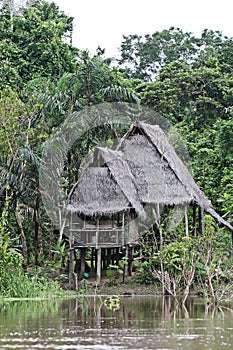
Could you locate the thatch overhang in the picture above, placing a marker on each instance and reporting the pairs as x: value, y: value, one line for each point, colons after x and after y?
x: 215, y: 215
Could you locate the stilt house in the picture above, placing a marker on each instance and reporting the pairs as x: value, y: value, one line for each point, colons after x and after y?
x: 117, y: 186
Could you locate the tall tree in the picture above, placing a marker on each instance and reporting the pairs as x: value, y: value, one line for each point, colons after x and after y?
x: 144, y: 57
x: 35, y: 41
x: 19, y: 162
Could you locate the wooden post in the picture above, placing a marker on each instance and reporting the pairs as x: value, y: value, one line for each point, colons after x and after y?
x: 161, y: 247
x: 160, y: 226
x: 97, y: 232
x: 201, y: 220
x: 98, y: 264
x: 108, y: 256
x: 92, y: 259
x: 130, y: 261
x: 103, y: 258
x: 186, y: 220
x: 71, y: 268
x: 117, y: 256
x: 194, y: 219
x: 125, y: 273
x: 95, y: 252
x: 123, y: 230
x: 113, y: 256
x: 83, y: 261
x: 72, y: 274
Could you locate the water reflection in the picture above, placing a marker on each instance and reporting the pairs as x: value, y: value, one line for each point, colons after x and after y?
x: 138, y: 323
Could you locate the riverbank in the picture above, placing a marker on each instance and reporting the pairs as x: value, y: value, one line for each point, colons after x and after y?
x: 117, y: 287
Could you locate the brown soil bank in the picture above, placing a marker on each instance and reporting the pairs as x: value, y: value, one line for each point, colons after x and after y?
x: 105, y: 287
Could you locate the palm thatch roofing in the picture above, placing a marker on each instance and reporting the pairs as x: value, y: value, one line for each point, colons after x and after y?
x: 145, y: 169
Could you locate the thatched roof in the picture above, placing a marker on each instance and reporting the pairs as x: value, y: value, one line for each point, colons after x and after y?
x: 105, y: 186
x: 145, y: 169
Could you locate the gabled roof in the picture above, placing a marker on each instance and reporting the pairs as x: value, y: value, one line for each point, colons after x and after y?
x: 145, y: 169
x: 105, y: 188
x: 167, y: 154
x: 160, y: 142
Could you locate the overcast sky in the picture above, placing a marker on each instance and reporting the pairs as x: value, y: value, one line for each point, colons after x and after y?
x: 103, y: 22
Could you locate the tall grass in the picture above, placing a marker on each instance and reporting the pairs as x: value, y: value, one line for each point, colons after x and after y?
x: 22, y: 285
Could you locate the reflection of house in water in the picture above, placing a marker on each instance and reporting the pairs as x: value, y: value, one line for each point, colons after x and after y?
x: 93, y: 310
x: 116, y: 188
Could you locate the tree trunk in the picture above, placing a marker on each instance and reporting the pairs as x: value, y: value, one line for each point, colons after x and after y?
x: 23, y: 237
x: 62, y: 225
x: 37, y: 232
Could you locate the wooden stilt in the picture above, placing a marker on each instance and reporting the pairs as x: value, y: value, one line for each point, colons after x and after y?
x: 123, y: 229
x: 130, y: 261
x: 95, y: 261
x: 92, y: 258
x: 125, y: 274
x: 83, y: 260
x: 108, y: 256
x: 161, y: 247
x: 71, y: 269
x: 194, y: 219
x: 105, y: 260
x: 117, y: 256
x: 201, y: 220
x: 186, y: 220
x: 72, y: 275
x: 98, y: 264
x: 160, y: 227
x: 113, y: 256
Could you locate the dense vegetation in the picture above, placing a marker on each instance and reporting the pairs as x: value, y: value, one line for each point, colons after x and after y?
x: 43, y: 79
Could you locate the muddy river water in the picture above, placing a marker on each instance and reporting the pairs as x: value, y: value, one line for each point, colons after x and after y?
x: 139, y: 322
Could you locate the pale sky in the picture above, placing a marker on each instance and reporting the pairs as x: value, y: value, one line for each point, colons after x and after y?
x: 103, y: 22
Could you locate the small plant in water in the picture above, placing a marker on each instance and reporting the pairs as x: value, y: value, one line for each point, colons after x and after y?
x: 113, y: 303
